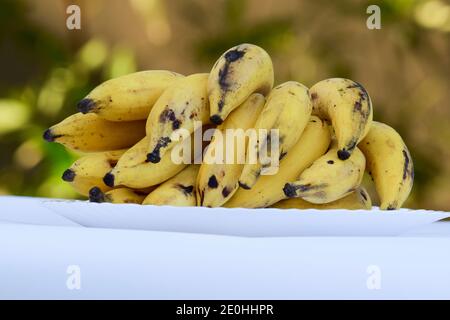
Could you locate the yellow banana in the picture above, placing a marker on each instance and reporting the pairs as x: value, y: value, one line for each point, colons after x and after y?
x: 89, y: 170
x: 177, y: 191
x: 269, y: 189
x: 287, y: 110
x: 179, y: 107
x: 389, y: 163
x: 129, y: 97
x: 217, y: 182
x: 357, y: 200
x: 89, y: 133
x: 119, y: 195
x: 133, y: 171
x: 348, y: 106
x: 328, y: 178
x: 239, y: 72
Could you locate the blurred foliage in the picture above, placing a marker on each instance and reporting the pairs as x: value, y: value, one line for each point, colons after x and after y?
x: 46, y: 69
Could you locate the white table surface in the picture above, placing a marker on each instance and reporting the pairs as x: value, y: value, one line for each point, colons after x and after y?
x: 134, y: 264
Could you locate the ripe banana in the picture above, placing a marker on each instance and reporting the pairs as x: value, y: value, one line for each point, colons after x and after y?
x: 89, y: 170
x: 89, y: 133
x: 348, y: 106
x: 183, y: 103
x: 119, y: 195
x: 328, y: 178
x: 129, y: 97
x: 133, y: 171
x: 177, y: 191
x: 269, y: 189
x: 389, y: 163
x: 239, y: 72
x: 357, y: 200
x: 288, y: 110
x: 217, y: 182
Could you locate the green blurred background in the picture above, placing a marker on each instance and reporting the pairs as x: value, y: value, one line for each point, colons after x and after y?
x: 46, y: 68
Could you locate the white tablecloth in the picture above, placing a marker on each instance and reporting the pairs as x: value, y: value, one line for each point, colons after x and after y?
x: 69, y: 261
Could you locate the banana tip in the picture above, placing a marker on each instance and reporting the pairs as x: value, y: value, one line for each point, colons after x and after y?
x: 153, y: 157
x: 85, y: 105
x: 48, y: 135
x: 68, y: 175
x: 108, y: 179
x: 244, y: 186
x: 216, y: 119
x: 96, y: 195
x: 289, y: 190
x: 343, y: 154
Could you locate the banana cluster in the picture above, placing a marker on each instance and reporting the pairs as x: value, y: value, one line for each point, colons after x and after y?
x: 302, y: 147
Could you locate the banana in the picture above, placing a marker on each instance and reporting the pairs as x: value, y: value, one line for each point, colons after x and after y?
x: 389, y: 163
x: 328, y: 178
x: 269, y: 189
x: 129, y: 97
x: 239, y: 72
x: 89, y: 170
x: 217, y: 182
x: 182, y: 104
x: 178, y: 191
x: 119, y: 195
x: 357, y: 200
x: 133, y: 171
x: 287, y: 110
x: 348, y: 106
x: 89, y: 133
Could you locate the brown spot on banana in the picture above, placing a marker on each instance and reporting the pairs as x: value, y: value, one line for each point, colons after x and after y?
x: 154, y: 156
x: 96, y: 195
x: 187, y: 190
x: 226, y: 192
x: 49, y: 136
x: 212, y: 182
x: 108, y: 179
x: 68, y: 175
x: 86, y: 105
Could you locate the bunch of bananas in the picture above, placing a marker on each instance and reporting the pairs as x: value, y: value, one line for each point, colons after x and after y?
x: 325, y: 140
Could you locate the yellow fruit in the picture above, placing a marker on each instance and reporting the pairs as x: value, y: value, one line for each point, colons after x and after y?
x: 182, y: 105
x: 89, y: 133
x: 389, y: 163
x: 348, y: 106
x: 239, y: 72
x: 357, y: 200
x: 287, y: 111
x: 269, y: 189
x: 217, y: 182
x: 177, y: 191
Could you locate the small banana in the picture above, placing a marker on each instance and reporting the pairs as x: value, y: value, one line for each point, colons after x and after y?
x: 119, y: 195
x: 389, y: 163
x: 239, y: 72
x: 178, y: 191
x: 217, y: 182
x: 348, y: 106
x: 129, y: 97
x: 133, y: 171
x: 89, y: 133
x: 328, y: 178
x: 269, y: 189
x: 288, y: 110
x: 357, y: 200
x: 89, y: 170
x: 179, y: 107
